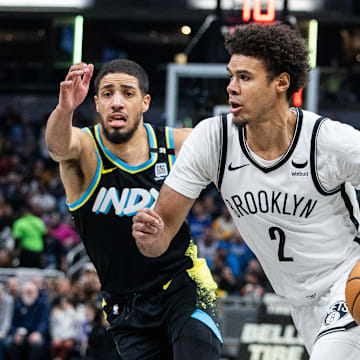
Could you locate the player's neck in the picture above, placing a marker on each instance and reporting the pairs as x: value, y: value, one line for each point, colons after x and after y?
x: 270, y: 139
x: 133, y: 152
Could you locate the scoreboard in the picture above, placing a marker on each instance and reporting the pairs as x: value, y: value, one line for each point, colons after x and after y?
x: 252, y: 10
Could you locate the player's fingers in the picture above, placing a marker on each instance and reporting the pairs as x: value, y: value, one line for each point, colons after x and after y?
x: 141, y: 236
x: 151, y: 213
x: 145, y: 228
x: 75, y: 73
x: 143, y: 217
x: 65, y: 85
x: 88, y: 72
x: 77, y: 66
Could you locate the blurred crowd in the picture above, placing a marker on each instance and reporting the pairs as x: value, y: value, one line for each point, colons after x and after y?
x: 60, y: 317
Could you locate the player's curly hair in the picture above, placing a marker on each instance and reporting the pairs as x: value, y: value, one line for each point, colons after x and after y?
x: 127, y: 67
x: 278, y: 46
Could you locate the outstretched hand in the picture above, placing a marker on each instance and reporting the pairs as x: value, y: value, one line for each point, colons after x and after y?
x: 148, y: 228
x: 74, y: 88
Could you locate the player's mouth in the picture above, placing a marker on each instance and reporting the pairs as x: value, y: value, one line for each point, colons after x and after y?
x: 117, y: 120
x: 235, y: 107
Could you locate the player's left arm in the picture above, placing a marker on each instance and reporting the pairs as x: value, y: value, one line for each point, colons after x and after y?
x: 338, y: 154
x: 154, y: 229
x: 179, y: 137
x: 194, y: 169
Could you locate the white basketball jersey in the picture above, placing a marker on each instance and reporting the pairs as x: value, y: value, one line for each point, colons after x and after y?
x: 302, y: 234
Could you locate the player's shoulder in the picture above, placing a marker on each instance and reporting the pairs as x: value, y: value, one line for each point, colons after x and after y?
x: 324, y: 122
x: 333, y: 135
x: 310, y: 118
x: 213, y: 123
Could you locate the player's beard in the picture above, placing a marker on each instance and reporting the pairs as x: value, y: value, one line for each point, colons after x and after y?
x: 117, y: 137
x: 240, y: 123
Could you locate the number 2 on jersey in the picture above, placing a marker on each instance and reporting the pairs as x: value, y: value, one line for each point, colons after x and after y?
x: 273, y: 231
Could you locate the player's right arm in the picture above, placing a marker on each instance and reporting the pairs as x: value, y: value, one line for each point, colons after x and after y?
x: 72, y: 147
x: 63, y: 141
x: 195, y: 168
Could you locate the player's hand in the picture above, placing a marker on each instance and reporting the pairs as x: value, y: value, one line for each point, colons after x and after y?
x: 74, y: 88
x: 148, y: 229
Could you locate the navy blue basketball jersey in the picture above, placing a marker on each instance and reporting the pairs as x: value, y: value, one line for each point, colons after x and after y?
x: 103, y: 217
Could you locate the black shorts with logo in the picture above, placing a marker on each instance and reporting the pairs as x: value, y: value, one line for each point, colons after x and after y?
x: 166, y: 324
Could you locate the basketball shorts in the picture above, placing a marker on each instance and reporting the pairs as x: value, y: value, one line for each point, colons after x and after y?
x: 165, y: 323
x: 327, y: 314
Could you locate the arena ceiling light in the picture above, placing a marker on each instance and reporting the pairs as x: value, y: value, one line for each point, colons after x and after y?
x: 49, y: 4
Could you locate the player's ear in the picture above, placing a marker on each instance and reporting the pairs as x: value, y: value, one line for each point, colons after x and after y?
x: 283, y: 82
x: 146, y: 103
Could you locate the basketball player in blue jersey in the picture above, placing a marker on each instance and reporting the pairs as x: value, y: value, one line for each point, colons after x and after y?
x: 158, y: 309
x: 286, y: 175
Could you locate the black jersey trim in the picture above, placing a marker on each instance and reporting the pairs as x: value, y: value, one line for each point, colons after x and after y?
x: 314, y: 174
x: 170, y: 146
x: 285, y: 157
x: 348, y: 326
x: 349, y: 206
x: 121, y: 164
x: 94, y: 182
x: 223, y: 151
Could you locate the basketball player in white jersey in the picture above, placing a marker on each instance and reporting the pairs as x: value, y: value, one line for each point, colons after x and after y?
x: 288, y: 177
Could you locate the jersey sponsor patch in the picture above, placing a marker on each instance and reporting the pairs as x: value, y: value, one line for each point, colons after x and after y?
x: 161, y: 170
x: 336, y: 312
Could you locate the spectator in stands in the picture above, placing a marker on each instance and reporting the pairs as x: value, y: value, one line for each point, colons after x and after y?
x: 5, y: 257
x: 224, y: 225
x: 6, y: 314
x: 228, y: 281
x: 49, y: 285
x: 43, y: 199
x: 62, y: 231
x: 28, y: 231
x: 16, y: 189
x: 252, y: 286
x: 255, y: 267
x: 6, y: 214
x: 207, y: 245
x: 65, y: 325
x: 10, y: 118
x: 29, y: 333
x: 13, y: 287
x: 38, y: 281
x: 41, y: 174
x: 238, y: 254
x: 198, y: 220
x: 55, y: 253
x: 218, y: 264
x: 90, y: 283
x: 62, y: 287
x: 209, y: 204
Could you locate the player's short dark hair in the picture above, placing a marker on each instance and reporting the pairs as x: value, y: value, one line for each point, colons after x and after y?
x: 279, y: 47
x: 126, y: 67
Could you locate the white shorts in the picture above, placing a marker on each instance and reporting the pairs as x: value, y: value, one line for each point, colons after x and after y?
x: 325, y: 315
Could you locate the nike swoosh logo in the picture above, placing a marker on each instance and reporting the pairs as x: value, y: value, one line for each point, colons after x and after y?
x: 299, y: 166
x: 231, y: 168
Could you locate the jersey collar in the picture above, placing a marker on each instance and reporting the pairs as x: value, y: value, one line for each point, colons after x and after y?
x: 285, y: 157
x: 123, y: 165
